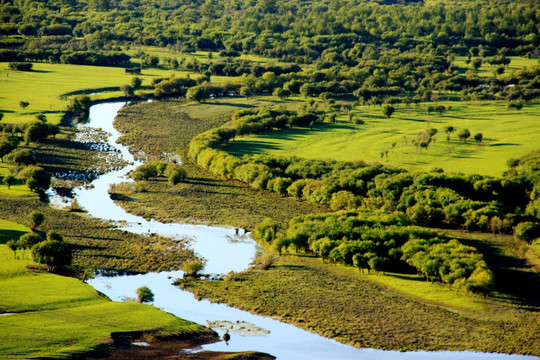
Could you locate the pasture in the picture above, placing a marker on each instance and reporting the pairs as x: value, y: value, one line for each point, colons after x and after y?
x: 506, y: 134
x: 57, y: 316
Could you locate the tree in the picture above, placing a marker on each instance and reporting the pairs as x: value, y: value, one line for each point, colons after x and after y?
x: 527, y: 231
x: 197, y: 93
x: 245, y: 91
x: 53, y: 254
x: 53, y: 235
x: 144, y: 294
x: 28, y: 240
x: 21, y: 157
x: 478, y: 137
x: 36, y: 218
x: 476, y: 63
x: 192, y: 267
x: 128, y: 90
x: 7, y: 145
x: 449, y: 130
x: 36, y: 178
x: 23, y: 104
x: 13, y: 246
x: 441, y: 109
x: 10, y: 180
x: 136, y: 82
x: 41, y: 117
x: 388, y: 110
x: 463, y: 135
x: 175, y: 173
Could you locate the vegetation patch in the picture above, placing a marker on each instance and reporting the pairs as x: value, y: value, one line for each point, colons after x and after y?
x: 347, y: 305
x: 65, y: 316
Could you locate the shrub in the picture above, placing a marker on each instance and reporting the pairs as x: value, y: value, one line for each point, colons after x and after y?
x: 144, y: 294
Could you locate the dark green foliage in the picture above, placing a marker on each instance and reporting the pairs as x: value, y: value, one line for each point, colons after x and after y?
x: 53, y: 254
x: 35, y: 177
x: 27, y: 241
x: 144, y: 294
x: 36, y: 219
x: 20, y: 66
x: 428, y: 199
x: 527, y: 231
x: 20, y: 157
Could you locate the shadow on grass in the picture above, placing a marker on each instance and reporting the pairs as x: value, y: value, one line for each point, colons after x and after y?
x: 7, y: 235
x: 512, y: 275
x: 238, y: 105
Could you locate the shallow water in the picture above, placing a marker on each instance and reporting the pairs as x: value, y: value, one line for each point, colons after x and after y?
x: 224, y: 251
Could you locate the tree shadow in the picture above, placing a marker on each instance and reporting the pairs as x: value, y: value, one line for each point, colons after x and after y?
x: 7, y: 235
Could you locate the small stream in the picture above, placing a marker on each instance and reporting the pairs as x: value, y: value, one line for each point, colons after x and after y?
x: 224, y: 251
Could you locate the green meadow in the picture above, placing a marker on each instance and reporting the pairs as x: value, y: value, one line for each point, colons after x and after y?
x: 507, y: 134
x: 486, y: 70
x: 55, y: 316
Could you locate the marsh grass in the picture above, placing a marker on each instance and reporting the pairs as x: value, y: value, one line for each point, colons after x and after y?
x: 380, y: 311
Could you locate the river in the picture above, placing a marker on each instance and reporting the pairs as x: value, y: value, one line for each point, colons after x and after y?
x: 224, y: 251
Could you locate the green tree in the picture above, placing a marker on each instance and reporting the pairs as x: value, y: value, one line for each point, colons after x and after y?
x: 197, y: 93
x: 21, y: 157
x: 245, y: 91
x: 28, y: 240
x: 175, y: 173
x: 136, y: 82
x: 10, y: 180
x: 463, y: 135
x: 478, y: 137
x: 53, y: 254
x: 449, y: 130
x: 7, y: 145
x: 388, y: 110
x: 41, y: 117
x: 13, y: 246
x: 36, y: 178
x: 192, y: 267
x: 128, y: 90
x: 36, y: 219
x: 527, y: 231
x: 144, y: 294
x: 23, y: 104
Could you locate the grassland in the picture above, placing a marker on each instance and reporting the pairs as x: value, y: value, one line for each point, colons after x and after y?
x: 48, y: 86
x: 507, y: 134
x: 56, y: 316
x: 486, y: 70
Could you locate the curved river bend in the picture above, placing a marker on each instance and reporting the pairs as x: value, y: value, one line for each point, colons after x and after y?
x: 224, y: 251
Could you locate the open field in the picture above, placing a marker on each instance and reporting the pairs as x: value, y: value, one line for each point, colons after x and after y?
x: 201, y: 56
x: 486, y: 70
x: 48, y: 86
x: 507, y: 134
x: 55, y: 316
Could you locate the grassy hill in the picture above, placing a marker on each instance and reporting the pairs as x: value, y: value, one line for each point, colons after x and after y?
x: 507, y: 134
x: 56, y: 316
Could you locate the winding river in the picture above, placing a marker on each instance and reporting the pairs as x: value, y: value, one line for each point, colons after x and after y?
x: 224, y: 251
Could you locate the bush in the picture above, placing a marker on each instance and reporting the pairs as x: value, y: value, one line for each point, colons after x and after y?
x: 191, y: 268
x: 175, y: 173
x: 53, y: 254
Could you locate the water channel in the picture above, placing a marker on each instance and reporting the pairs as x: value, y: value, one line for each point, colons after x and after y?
x: 224, y: 251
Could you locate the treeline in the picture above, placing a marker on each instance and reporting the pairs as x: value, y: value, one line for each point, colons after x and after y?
x: 382, y: 241
x: 427, y: 199
x: 288, y: 30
